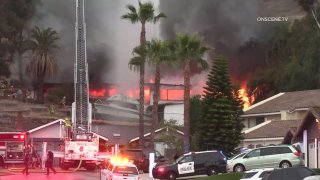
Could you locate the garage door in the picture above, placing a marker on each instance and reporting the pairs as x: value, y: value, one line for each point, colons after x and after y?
x: 311, y: 155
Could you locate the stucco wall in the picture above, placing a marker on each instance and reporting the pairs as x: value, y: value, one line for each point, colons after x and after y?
x: 174, y: 112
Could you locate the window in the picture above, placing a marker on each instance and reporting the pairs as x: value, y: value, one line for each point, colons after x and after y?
x: 259, y: 120
x: 269, y: 151
x: 254, y: 153
x: 283, y: 150
x: 265, y: 173
x: 125, y: 170
x: 248, y: 175
x: 186, y: 159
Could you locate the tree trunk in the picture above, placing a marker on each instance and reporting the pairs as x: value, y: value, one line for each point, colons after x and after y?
x: 20, y: 52
x: 141, y: 94
x: 186, y: 115
x: 155, y: 104
x: 40, y: 91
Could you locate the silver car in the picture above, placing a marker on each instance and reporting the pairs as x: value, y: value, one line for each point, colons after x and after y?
x: 282, y: 156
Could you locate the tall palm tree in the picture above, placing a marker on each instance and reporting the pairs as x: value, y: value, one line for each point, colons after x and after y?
x: 188, y: 49
x: 144, y: 14
x: 43, y: 62
x: 157, y: 53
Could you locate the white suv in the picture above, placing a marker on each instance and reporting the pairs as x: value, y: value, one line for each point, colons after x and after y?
x: 120, y: 170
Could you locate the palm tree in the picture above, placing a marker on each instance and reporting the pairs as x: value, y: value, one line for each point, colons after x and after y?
x: 43, y: 62
x: 157, y: 53
x: 144, y: 14
x: 188, y: 49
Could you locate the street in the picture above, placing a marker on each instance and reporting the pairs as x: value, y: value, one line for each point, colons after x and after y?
x: 78, y: 175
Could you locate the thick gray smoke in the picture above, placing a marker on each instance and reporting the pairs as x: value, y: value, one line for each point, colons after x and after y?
x: 110, y: 39
x: 226, y: 26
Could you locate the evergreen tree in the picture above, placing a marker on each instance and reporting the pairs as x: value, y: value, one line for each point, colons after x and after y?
x: 221, y: 125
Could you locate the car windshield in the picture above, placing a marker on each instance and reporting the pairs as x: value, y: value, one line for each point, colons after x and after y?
x: 238, y: 156
x: 125, y: 170
x: 177, y: 160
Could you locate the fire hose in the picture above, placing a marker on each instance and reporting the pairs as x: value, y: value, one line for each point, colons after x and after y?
x: 79, y: 165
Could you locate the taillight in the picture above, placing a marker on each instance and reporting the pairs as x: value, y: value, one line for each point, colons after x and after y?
x: 161, y: 169
x: 297, y: 153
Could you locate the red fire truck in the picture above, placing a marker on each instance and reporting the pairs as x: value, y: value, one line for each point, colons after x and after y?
x: 12, y: 147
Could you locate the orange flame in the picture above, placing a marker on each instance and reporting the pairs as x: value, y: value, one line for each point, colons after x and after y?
x: 247, y: 100
x: 97, y: 92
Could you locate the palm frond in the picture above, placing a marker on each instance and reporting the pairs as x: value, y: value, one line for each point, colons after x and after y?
x: 158, y: 17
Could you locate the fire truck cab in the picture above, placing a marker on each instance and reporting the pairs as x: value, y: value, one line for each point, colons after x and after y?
x: 12, y: 147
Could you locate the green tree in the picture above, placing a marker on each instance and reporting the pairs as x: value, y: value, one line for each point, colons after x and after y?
x: 221, y: 109
x: 145, y: 13
x: 189, y: 49
x: 43, y: 62
x: 158, y: 53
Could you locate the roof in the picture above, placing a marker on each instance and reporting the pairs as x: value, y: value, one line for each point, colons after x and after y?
x: 315, y: 112
x: 273, y: 129
x: 117, y: 133
x: 157, y: 131
x: 60, y: 121
x: 286, y: 101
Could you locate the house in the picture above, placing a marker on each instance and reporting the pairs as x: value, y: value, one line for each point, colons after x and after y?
x: 268, y: 133
x: 166, y: 140
x: 308, y: 135
x: 51, y: 137
x: 282, y: 106
x: 286, y: 106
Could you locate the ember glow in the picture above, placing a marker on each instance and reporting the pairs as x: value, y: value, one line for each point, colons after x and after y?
x: 97, y: 92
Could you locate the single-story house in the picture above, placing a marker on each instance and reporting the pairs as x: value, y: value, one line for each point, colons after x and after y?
x: 308, y: 135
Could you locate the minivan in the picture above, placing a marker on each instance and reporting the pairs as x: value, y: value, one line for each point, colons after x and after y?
x: 282, y: 156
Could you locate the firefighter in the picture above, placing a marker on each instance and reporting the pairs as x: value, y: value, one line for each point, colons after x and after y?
x: 49, y: 162
x: 26, y: 164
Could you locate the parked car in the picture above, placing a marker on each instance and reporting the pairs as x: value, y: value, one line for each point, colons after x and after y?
x: 119, y: 170
x: 196, y: 163
x: 282, y: 156
x: 256, y: 174
x: 230, y: 160
x: 316, y: 177
x: 141, y: 158
x: 292, y: 173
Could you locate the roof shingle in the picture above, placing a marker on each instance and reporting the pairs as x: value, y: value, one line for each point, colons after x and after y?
x: 276, y: 128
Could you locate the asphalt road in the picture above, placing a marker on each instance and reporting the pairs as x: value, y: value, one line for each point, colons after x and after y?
x: 79, y: 175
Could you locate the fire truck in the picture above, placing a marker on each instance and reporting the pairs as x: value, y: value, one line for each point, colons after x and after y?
x: 81, y: 146
x: 12, y: 147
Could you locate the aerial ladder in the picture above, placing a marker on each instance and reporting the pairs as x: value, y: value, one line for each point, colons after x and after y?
x: 81, y: 146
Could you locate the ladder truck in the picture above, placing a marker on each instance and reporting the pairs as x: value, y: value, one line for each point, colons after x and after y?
x: 81, y: 146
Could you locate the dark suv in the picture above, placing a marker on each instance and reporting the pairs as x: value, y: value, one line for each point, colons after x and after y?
x: 196, y: 163
x: 141, y: 158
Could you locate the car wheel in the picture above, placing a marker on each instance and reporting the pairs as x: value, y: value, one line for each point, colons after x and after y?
x: 239, y: 168
x: 285, y: 164
x: 171, y: 176
x: 212, y: 171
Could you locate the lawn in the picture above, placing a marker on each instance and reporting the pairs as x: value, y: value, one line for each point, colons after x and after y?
x: 229, y: 176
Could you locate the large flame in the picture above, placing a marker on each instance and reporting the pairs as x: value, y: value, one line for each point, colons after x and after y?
x: 247, y: 100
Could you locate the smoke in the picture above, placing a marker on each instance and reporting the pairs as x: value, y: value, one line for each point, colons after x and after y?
x: 224, y: 25
x: 227, y: 26
x: 110, y: 39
